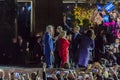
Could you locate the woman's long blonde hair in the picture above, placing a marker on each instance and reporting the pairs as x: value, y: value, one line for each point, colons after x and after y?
x: 59, y: 28
x: 62, y: 34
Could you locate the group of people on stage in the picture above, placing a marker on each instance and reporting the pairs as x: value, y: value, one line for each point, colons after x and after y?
x: 78, y: 49
x: 63, y: 49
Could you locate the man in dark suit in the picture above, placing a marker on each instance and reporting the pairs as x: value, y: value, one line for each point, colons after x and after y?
x: 22, y: 46
x: 74, y: 47
x: 38, y: 50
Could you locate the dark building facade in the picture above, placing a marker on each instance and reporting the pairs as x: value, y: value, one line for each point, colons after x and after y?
x: 48, y: 12
x: 44, y: 12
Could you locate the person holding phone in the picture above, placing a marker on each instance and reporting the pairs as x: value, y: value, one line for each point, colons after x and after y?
x: 44, y: 72
x: 15, y: 75
x: 2, y: 74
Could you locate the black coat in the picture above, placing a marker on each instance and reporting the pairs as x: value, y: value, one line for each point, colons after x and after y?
x: 75, y: 43
x: 38, y: 49
x: 21, y: 55
x: 74, y: 48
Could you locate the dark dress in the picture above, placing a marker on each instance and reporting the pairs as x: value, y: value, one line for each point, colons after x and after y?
x: 56, y: 55
x: 38, y: 50
x: 99, y: 47
x: 84, y: 51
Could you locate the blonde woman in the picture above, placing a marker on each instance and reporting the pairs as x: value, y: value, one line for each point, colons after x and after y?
x: 63, y: 48
x: 56, y: 52
x: 58, y: 31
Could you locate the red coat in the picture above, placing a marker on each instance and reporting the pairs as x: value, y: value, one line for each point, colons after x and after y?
x: 63, y: 50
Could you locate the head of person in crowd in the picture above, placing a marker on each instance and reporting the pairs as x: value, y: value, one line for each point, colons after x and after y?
x: 114, y: 15
x: 14, y: 40
x: 113, y: 74
x: 111, y: 47
x: 117, y: 41
x: 103, y: 12
x: 105, y: 73
x: 20, y: 39
x: 63, y: 34
x: 39, y: 39
x: 39, y: 35
x: 104, y: 62
x: 71, y: 76
x: 26, y: 76
x: 118, y: 18
x: 99, y: 75
x: 81, y: 74
x: 33, y: 75
x: 67, y: 66
x: 44, y: 66
x: 50, y: 29
x: 15, y: 76
x: 93, y: 34
x: 101, y: 32
x: 89, y: 67
x: 12, y: 76
x: 97, y: 65
x: 59, y: 77
x: 116, y: 67
x: 2, y: 74
x: 76, y: 22
x: 76, y: 29
x: 59, y: 29
x: 111, y: 71
x: 54, y: 77
x: 89, y: 33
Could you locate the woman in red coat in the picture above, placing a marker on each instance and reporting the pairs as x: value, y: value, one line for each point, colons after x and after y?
x: 63, y: 48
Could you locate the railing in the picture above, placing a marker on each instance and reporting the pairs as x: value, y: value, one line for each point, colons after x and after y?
x: 74, y: 1
x: 89, y: 1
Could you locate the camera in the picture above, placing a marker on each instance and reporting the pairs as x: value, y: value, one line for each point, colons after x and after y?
x: 49, y: 76
x: 107, y: 48
x: 57, y: 72
x: 24, y: 74
x: 80, y: 77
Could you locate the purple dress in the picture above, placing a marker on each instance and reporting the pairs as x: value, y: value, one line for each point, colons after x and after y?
x: 84, y: 52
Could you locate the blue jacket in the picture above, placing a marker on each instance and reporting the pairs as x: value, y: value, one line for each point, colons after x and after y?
x: 48, y: 43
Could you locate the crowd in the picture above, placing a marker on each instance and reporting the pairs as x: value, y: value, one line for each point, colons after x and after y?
x: 78, y: 46
x: 79, y: 49
x: 94, y: 50
x: 71, y: 44
x: 75, y: 48
x: 93, y: 72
